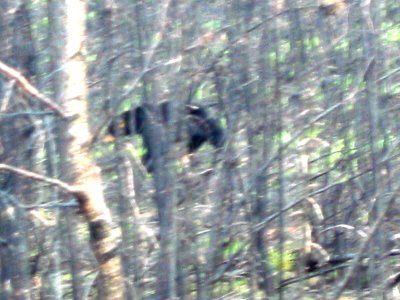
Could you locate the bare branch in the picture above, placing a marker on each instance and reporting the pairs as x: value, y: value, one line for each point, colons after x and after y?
x: 28, y: 88
x: 37, y: 177
x: 50, y: 205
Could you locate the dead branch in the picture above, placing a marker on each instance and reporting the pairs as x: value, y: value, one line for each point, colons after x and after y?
x: 29, y: 89
x: 37, y: 177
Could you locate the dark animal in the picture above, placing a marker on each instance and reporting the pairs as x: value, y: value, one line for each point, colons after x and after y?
x: 201, y: 128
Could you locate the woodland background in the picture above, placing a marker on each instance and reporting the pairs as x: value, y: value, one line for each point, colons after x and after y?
x: 302, y: 201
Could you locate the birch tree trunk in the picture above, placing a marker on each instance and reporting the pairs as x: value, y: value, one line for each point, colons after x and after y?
x: 77, y: 160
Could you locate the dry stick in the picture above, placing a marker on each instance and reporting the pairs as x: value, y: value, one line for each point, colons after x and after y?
x: 35, y: 176
x: 342, y: 285
x: 28, y: 88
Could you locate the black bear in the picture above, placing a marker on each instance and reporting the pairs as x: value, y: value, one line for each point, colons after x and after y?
x: 201, y: 128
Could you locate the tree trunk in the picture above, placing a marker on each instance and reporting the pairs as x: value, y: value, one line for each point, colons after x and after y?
x: 77, y: 160
x: 13, y: 251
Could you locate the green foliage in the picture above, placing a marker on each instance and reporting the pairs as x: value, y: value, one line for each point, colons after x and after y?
x: 319, y: 98
x: 281, y: 261
x: 92, y: 15
x: 233, y: 247
x: 336, y: 151
x: 103, y: 149
x: 396, y: 89
x: 271, y: 56
x: 391, y: 34
x: 204, y: 91
x: 284, y: 49
x: 343, y: 44
x: 44, y: 21
x: 314, y: 132
x: 285, y: 136
x: 91, y: 58
x: 312, y: 42
x: 238, y: 285
x: 129, y: 103
x: 199, y: 92
x: 212, y: 24
x: 346, y: 83
x: 135, y: 151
